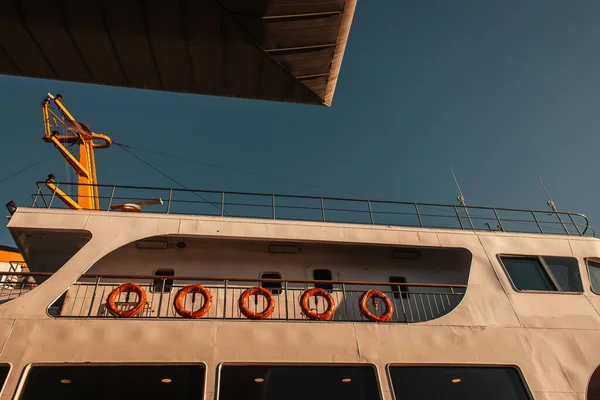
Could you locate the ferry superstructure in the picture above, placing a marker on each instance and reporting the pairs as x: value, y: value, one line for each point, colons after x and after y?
x: 168, y: 293
x: 299, y: 296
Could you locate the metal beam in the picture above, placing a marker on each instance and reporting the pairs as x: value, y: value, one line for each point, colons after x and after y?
x: 285, y: 49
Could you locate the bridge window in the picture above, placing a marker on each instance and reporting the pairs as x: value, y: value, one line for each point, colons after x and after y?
x: 274, y: 287
x: 594, y: 270
x: 465, y: 383
x: 323, y: 275
x: 553, y: 274
x: 148, y: 382
x: 297, y: 382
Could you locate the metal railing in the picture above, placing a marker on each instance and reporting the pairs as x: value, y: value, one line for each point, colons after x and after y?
x: 331, y: 209
x: 86, y: 298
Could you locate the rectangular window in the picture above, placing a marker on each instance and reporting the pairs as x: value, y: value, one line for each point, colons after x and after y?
x: 553, y: 274
x: 274, y: 287
x: 397, y: 289
x: 157, y: 284
x: 298, y: 382
x: 464, y: 383
x: 594, y: 269
x: 323, y: 275
x: 148, y: 382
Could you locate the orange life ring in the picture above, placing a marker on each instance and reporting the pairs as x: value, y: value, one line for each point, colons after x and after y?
x: 376, y: 294
x: 310, y: 314
x: 243, y: 303
x: 180, y: 297
x: 126, y: 287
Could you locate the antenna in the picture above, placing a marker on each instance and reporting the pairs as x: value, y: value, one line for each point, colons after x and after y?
x: 553, y: 206
x: 461, y: 198
x: 550, y: 201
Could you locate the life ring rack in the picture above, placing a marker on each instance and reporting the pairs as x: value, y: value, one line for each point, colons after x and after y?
x: 132, y: 312
x: 314, y: 315
x: 376, y: 294
x: 178, y: 302
x: 256, y: 290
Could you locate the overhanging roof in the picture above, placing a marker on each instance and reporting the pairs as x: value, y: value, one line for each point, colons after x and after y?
x: 284, y: 50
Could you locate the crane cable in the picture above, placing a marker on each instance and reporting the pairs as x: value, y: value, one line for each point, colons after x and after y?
x: 28, y: 167
x: 124, y: 147
x: 246, y: 172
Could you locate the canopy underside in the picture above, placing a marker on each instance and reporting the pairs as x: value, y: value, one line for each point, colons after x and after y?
x: 283, y: 50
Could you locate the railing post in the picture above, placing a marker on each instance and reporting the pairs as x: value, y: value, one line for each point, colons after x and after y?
x: 459, y: 220
x: 162, y: 292
x: 225, y: 300
x: 322, y: 210
x: 370, y: 212
x: 418, y: 215
x: 273, y: 205
x: 537, y: 222
x: 285, y: 286
x: 169, y: 202
x: 223, y: 205
x: 112, y: 194
x: 94, y: 295
x: 574, y: 224
x: 34, y: 203
x: 345, y: 301
x: 498, y: 219
x: 53, y: 195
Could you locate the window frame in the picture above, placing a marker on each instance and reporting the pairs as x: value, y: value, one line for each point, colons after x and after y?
x: 587, y: 267
x: 373, y: 366
x: 18, y: 394
x: 155, y: 273
x: 280, y: 290
x: 456, y: 365
x: 547, y: 270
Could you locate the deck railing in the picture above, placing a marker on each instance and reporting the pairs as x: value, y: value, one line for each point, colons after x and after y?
x: 330, y: 209
x: 87, y: 298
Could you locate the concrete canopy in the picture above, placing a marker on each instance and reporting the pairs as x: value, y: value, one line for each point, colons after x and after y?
x: 283, y: 50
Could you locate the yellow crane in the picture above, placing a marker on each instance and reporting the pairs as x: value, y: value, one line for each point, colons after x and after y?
x: 61, y: 128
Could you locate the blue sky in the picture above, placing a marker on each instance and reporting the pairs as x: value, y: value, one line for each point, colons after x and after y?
x: 494, y: 88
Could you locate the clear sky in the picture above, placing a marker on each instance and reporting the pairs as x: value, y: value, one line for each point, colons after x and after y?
x: 494, y: 88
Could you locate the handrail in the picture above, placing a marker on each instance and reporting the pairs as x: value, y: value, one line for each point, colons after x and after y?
x: 201, y: 278
x: 581, y: 227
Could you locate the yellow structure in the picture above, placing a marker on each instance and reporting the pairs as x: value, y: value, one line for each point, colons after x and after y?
x: 74, y: 132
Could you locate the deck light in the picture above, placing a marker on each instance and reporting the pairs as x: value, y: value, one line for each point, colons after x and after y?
x: 275, y: 248
x: 456, y: 380
x: 65, y: 381
x: 346, y: 380
x: 406, y: 254
x: 151, y: 244
x: 259, y: 380
x: 166, y: 380
x: 11, y: 206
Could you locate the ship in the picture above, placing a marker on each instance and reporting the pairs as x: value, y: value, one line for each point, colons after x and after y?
x: 122, y: 291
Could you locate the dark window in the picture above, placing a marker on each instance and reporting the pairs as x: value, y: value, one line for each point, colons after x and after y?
x: 4, y: 370
x: 544, y: 273
x: 323, y: 275
x: 274, y: 287
x: 148, y: 382
x: 298, y: 383
x: 397, y: 289
x: 594, y: 268
x: 452, y: 383
x: 566, y: 272
x: 157, y: 284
